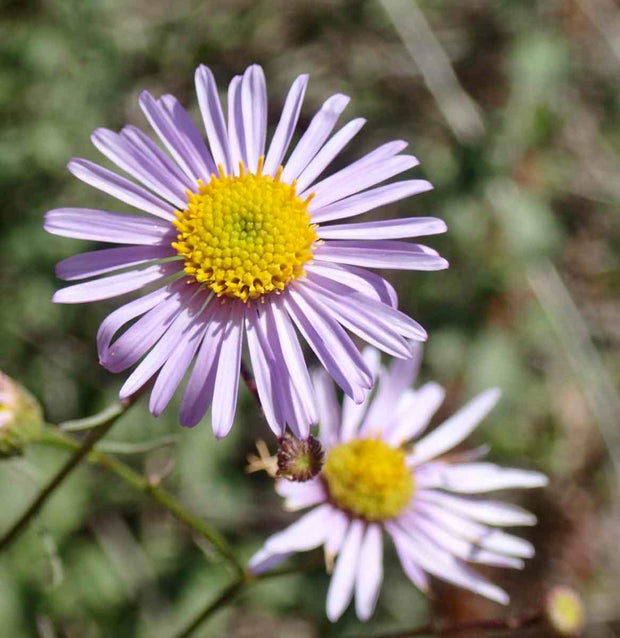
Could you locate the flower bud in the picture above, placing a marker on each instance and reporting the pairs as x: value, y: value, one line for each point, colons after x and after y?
x: 299, y: 460
x: 21, y: 419
x: 564, y: 611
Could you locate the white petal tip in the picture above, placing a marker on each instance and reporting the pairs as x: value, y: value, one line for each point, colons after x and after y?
x: 74, y: 164
x: 60, y: 296
x: 338, y: 102
x: 126, y: 391
x: 502, y: 598
x: 333, y: 614
x: 539, y: 480
x: 188, y: 423
x: 156, y: 409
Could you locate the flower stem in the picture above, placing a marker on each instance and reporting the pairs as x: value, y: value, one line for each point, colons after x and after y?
x: 100, y: 424
x: 225, y: 597
x: 150, y: 488
x: 234, y: 588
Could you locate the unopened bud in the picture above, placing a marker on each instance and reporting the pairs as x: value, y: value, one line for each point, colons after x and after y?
x: 21, y: 420
x: 300, y: 460
x: 564, y: 611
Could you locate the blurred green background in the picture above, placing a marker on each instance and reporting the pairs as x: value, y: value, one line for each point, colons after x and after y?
x: 513, y: 109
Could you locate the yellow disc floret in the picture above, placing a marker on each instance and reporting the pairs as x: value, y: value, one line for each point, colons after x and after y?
x: 245, y: 236
x: 368, y: 478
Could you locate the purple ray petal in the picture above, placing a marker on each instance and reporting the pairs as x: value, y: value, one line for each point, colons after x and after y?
x: 392, y: 385
x: 301, y: 495
x: 102, y: 225
x: 332, y: 346
x: 115, y: 285
x: 413, y: 571
x: 338, y: 527
x: 306, y: 533
x: 489, y: 512
x: 384, y: 229
x: 286, y: 126
x: 177, y: 137
x: 459, y: 547
x: 287, y: 403
x: 227, y: 377
x: 413, y: 415
x: 476, y: 478
x: 492, y: 539
x: 236, y: 137
x: 358, y: 177
x: 327, y: 405
x: 353, y: 413
x: 263, y: 366
x: 369, y: 200
x: 441, y: 564
x: 361, y: 280
x: 372, y: 317
x: 328, y: 153
x: 121, y: 188
x: 178, y: 363
x: 254, y: 113
x: 146, y: 147
x: 381, y: 254
x: 317, y: 132
x: 369, y: 573
x: 179, y: 330
x: 123, y: 315
x: 264, y: 560
x: 341, y: 586
x: 455, y: 429
x: 282, y: 330
x: 213, y: 118
x: 201, y: 383
x: 134, y: 161
x: 98, y: 262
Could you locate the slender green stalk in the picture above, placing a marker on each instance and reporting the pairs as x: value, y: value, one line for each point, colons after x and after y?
x: 121, y: 447
x: 236, y: 587
x: 111, y: 413
x: 225, y: 597
x: 156, y: 492
x: 100, y: 424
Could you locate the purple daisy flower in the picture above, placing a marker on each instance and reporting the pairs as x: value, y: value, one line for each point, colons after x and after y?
x: 376, y: 480
x: 239, y: 241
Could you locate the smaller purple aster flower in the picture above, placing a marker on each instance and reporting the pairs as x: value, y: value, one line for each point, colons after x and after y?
x: 376, y: 480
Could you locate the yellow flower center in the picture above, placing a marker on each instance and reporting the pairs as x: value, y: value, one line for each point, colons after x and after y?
x: 368, y: 478
x: 245, y: 236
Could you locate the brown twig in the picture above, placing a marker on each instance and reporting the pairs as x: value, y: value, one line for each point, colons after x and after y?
x: 510, y: 623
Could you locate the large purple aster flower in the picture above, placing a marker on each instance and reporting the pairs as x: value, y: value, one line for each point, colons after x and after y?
x: 239, y: 242
x: 380, y: 477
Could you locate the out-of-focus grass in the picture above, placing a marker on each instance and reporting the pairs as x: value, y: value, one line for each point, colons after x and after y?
x: 539, y: 185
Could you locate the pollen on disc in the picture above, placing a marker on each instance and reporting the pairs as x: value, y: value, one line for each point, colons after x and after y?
x: 369, y: 478
x: 245, y: 236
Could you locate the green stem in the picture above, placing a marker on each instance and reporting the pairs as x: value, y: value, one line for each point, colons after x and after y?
x: 225, y: 597
x: 235, y: 588
x: 101, y: 424
x: 152, y: 489
x: 121, y: 447
x: 109, y: 414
